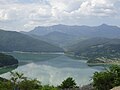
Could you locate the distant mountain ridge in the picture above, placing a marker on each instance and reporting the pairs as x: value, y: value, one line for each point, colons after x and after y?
x: 15, y: 41
x: 73, y: 34
x: 103, y: 30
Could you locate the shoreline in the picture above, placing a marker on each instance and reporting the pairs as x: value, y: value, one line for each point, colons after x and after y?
x: 99, y: 64
x: 9, y: 66
x: 61, y: 53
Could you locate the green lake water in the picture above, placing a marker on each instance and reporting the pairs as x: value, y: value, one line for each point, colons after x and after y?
x: 51, y: 68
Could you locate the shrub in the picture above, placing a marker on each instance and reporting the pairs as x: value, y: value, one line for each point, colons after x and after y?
x: 107, y: 79
x: 68, y: 83
x: 47, y: 87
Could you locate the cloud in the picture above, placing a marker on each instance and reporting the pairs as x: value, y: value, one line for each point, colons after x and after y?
x: 26, y: 14
x: 97, y: 8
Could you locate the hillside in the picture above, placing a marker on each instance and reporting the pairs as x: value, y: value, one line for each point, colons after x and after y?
x: 58, y: 38
x: 7, y: 60
x: 97, y: 50
x: 15, y: 41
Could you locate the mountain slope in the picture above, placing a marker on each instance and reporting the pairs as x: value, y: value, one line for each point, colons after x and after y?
x: 93, y: 43
x: 14, y: 41
x: 100, y: 49
x: 59, y: 38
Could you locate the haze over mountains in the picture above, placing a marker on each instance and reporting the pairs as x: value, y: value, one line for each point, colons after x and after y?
x: 51, y: 38
x: 103, y: 30
x: 64, y: 35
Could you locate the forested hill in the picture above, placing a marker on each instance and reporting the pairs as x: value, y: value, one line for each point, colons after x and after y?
x: 93, y: 43
x: 15, y: 41
x: 7, y: 60
x: 103, y: 49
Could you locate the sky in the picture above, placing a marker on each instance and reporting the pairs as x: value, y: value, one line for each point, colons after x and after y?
x: 25, y: 15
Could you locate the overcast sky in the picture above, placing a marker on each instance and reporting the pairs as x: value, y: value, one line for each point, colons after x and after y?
x: 26, y: 14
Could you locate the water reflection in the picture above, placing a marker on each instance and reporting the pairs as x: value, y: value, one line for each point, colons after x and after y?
x: 7, y: 69
x: 64, y: 61
x: 53, y: 68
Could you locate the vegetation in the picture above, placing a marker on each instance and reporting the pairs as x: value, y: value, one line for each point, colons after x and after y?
x: 68, y: 83
x: 98, y: 50
x: 48, y: 87
x: 15, y: 41
x: 7, y: 60
x: 107, y: 79
x: 19, y: 82
x: 104, y: 80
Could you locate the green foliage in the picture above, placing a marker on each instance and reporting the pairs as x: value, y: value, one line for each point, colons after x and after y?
x: 6, y: 85
x: 68, y: 83
x: 19, y: 82
x: 107, y: 79
x: 30, y: 84
x: 97, y: 50
x: 47, y: 87
x: 6, y: 60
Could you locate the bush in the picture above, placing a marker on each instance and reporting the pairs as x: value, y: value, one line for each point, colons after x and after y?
x: 68, y: 83
x: 29, y: 85
x: 19, y: 82
x: 47, y: 87
x: 107, y: 79
x: 6, y: 85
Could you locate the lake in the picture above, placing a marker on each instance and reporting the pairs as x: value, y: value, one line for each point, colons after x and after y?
x: 52, y: 68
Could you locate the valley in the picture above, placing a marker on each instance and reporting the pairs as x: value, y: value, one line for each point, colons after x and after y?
x: 68, y: 50
x: 97, y: 44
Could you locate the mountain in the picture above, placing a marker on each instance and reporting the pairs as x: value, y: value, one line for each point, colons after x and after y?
x: 58, y: 38
x: 7, y: 60
x: 87, y: 43
x: 64, y: 35
x: 100, y: 49
x: 95, y: 44
x: 71, y: 30
x: 15, y: 41
x: 103, y: 30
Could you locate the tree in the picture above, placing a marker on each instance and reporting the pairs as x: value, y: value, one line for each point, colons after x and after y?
x: 23, y: 83
x: 16, y: 78
x: 107, y: 79
x: 6, y: 85
x: 68, y: 83
x: 30, y: 85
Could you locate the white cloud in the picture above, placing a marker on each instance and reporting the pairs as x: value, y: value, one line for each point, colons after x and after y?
x: 26, y: 14
x: 97, y: 8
